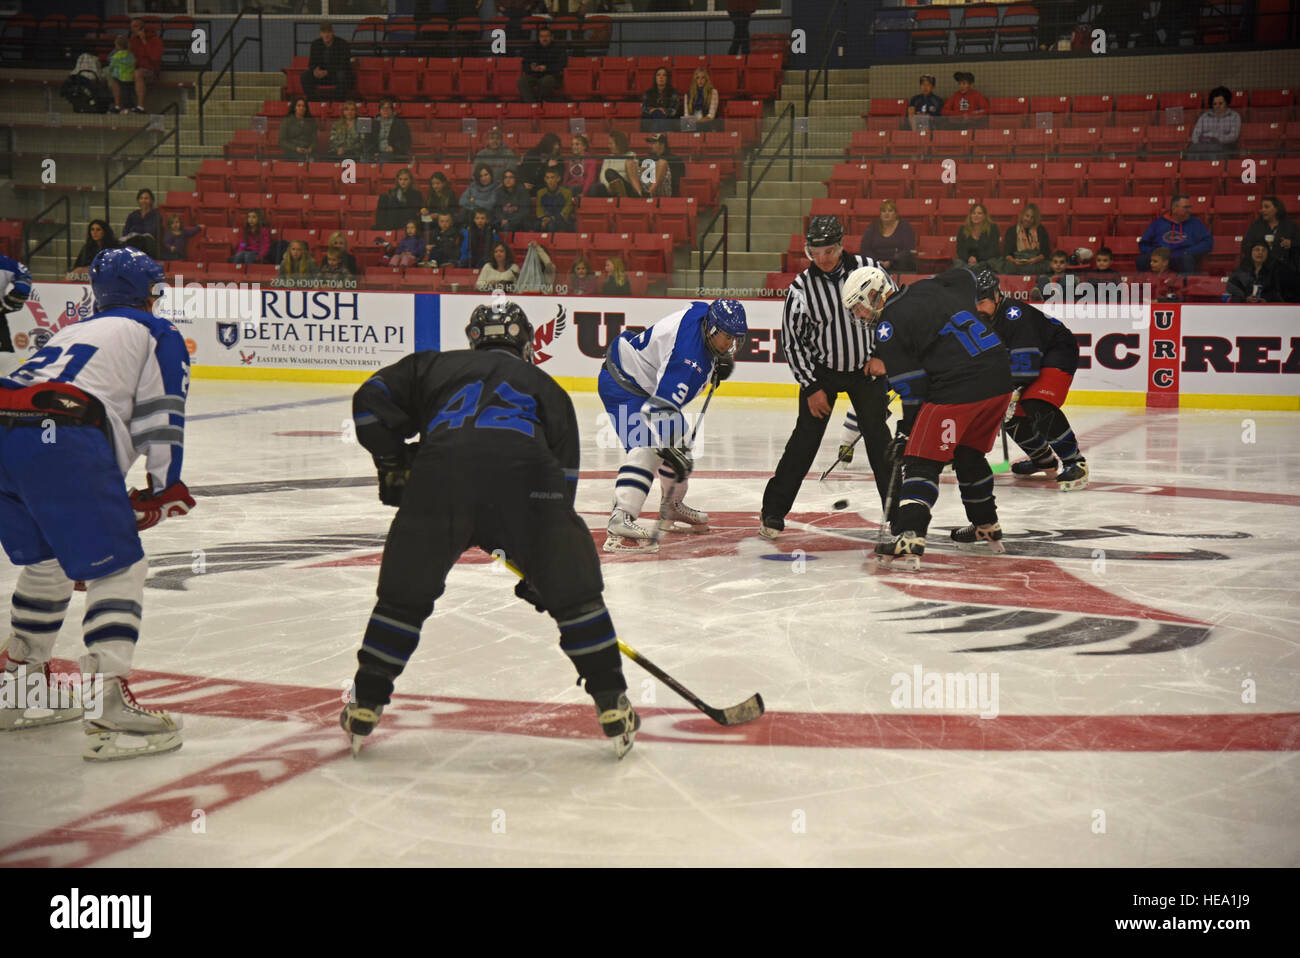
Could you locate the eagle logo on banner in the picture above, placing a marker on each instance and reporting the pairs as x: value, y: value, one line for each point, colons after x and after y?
x: 547, y: 334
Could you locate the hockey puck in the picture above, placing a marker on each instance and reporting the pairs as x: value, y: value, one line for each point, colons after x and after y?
x: 840, y: 504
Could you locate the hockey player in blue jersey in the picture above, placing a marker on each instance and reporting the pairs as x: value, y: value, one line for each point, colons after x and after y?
x: 73, y: 419
x: 648, y: 377
x: 15, y: 287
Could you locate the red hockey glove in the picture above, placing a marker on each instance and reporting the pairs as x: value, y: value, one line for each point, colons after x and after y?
x: 151, y: 509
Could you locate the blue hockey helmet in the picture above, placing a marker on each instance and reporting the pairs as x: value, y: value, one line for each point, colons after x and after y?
x: 726, y: 316
x: 125, y: 277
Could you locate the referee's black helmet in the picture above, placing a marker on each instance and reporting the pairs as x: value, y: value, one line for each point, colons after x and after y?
x: 824, y: 231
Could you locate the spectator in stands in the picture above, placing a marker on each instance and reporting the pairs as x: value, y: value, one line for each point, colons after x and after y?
x: 121, y: 69
x: 544, y: 64
x: 440, y: 199
x: 700, y: 101
x: 1186, y: 237
x: 1256, y: 279
x: 1166, y: 285
x: 1103, y: 270
x: 481, y: 194
x: 334, y: 266
x: 347, y: 142
x: 476, y: 248
x: 147, y: 48
x: 1215, y: 135
x: 339, y: 246
x: 403, y: 202
x: 176, y: 238
x: 330, y: 64
x: 537, y: 274
x: 409, y: 251
x: 298, y: 132
x: 297, y: 263
x: 390, y: 137
x: 496, y: 156
x: 926, y: 104
x: 99, y: 237
x: 500, y: 272
x: 445, y: 242
x: 890, y: 241
x: 661, y: 105
x: 740, y: 11
x: 143, y: 226
x: 546, y: 155
x: 977, y: 240
x: 554, y: 208
x: 1278, y: 232
x: 967, y: 107
x: 620, y: 171
x: 1025, y: 248
x: 659, y: 167
x: 1056, y: 274
x: 580, y: 168
x: 616, y: 281
x: 582, y: 282
x: 254, y: 241
x: 513, y: 210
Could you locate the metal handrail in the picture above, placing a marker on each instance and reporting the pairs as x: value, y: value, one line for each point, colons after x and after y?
x: 235, y: 50
x: 131, y: 164
x: 723, y: 241
x: 65, y: 228
x: 822, y: 75
x: 751, y: 185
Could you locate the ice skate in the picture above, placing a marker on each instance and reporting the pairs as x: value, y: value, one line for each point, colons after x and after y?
x: 677, y: 516
x: 989, y: 534
x: 359, y: 721
x: 124, y: 728
x: 1073, y: 475
x: 30, y: 697
x: 618, y: 720
x: 908, y: 547
x: 1026, y: 468
x: 770, y: 528
x: 625, y: 534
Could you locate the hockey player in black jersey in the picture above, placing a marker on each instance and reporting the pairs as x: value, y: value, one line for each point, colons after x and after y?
x: 952, y: 374
x: 1044, y: 359
x: 496, y: 467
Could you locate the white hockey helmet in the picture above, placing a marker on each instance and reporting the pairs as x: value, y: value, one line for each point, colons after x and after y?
x: 868, y: 286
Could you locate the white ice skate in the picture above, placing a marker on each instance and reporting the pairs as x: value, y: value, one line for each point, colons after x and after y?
x: 625, y: 534
x: 30, y: 697
x: 124, y: 728
x: 677, y: 516
x: 359, y: 722
x: 906, y: 547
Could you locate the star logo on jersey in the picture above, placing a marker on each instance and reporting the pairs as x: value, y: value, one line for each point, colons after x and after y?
x: 228, y: 334
x: 884, y: 332
x: 1013, y: 312
x: 694, y: 365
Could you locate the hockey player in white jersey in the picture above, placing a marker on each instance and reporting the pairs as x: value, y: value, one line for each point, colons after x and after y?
x: 73, y: 419
x: 15, y: 287
x: 648, y: 377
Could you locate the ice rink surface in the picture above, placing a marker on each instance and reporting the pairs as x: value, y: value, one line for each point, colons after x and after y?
x: 1137, y: 647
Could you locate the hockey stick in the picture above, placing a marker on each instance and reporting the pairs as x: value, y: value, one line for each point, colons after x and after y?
x: 746, y: 711
x: 1005, y: 465
x: 838, y: 460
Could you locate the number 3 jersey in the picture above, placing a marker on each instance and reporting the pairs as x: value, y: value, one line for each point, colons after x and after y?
x: 668, y: 360
x: 936, y: 349
x: 137, y: 366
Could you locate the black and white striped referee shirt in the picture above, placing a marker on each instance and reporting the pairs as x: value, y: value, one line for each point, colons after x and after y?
x: 816, y: 329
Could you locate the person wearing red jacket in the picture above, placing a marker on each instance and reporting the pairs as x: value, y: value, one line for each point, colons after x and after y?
x: 147, y: 48
x: 967, y: 107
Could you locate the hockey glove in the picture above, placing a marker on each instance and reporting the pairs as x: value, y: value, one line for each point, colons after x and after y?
x: 526, y: 592
x: 151, y: 509
x: 679, y: 461
x: 13, y: 300
x: 722, y: 370
x: 394, y: 473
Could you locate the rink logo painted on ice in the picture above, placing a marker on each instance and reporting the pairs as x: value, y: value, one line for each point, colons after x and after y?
x: 548, y: 333
x: 949, y: 691
x: 102, y: 912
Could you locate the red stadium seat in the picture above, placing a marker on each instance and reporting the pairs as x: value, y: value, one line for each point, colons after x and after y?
x: 1108, y: 177
x: 762, y: 75
x: 891, y: 180
x: 614, y: 78
x: 952, y: 214
x: 977, y: 180
x: 1020, y: 178
x: 1005, y: 211
x: 1167, y: 139
x: 1034, y: 143
x: 1054, y: 211
x: 920, y: 213
x: 1092, y: 214
x: 1234, y: 214
x: 1135, y: 213
x: 870, y: 144
x: 1009, y: 112
x: 993, y: 142
x: 1064, y: 177
x: 677, y: 215
x: 1078, y: 141
x: 929, y: 180
x: 950, y: 144
x: 848, y: 180
x: 1154, y: 177
x: 1201, y: 176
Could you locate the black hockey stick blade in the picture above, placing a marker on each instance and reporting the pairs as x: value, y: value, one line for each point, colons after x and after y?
x: 746, y: 711
x: 837, y: 461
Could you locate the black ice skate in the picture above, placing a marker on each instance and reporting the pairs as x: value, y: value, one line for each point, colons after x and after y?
x: 1073, y: 475
x: 618, y: 720
x: 359, y: 721
x: 989, y: 534
x: 906, y: 546
x: 1031, y: 467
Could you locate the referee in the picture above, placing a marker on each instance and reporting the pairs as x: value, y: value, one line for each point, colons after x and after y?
x: 828, y: 351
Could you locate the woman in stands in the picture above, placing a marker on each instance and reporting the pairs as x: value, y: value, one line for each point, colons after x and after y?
x: 99, y: 236
x: 582, y: 281
x: 1216, y: 132
x: 481, y: 194
x: 977, y: 240
x: 620, y: 171
x: 1256, y: 279
x: 390, y: 136
x: 500, y: 273
x: 1282, y: 237
x: 403, y: 202
x: 513, y: 209
x: 890, y: 241
x: 297, y: 263
x: 701, y: 100
x: 546, y: 155
x: 440, y: 199
x: 660, y: 106
x: 616, y: 283
x: 580, y: 168
x: 255, y: 242
x: 1026, y: 248
x: 143, y: 226
x: 298, y: 132
x: 659, y: 168
x: 176, y: 238
x: 346, y: 139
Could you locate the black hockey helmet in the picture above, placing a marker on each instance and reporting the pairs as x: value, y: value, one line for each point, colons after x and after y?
x: 986, y: 284
x: 501, y: 324
x: 824, y: 231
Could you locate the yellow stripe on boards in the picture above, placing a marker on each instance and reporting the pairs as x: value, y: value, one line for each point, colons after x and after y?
x: 265, y: 374
x: 1217, y: 401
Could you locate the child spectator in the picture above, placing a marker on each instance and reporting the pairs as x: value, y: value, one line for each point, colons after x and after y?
x: 700, y: 101
x: 147, y: 48
x: 297, y: 263
x: 582, y: 282
x: 445, y: 242
x: 1056, y: 274
x: 481, y: 194
x: 1256, y: 279
x: 977, y: 240
x: 390, y: 137
x: 1215, y: 135
x: 255, y: 241
x: 616, y: 281
x: 1025, y: 247
x: 346, y: 140
x: 514, y: 207
x: 554, y: 206
x: 1185, y: 237
x: 967, y: 107
x: 496, y: 156
x: 176, y: 238
x: 927, y: 104
x: 298, y: 132
x: 660, y: 105
x: 580, y: 169
x: 121, y: 69
x: 440, y: 199
x: 143, y: 226
x: 99, y: 237
x: 1166, y: 285
x: 500, y: 273
x: 409, y: 251
x: 403, y: 202
x: 890, y: 241
x: 334, y: 265
x: 546, y: 155
x: 479, y: 239
x: 339, y: 244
